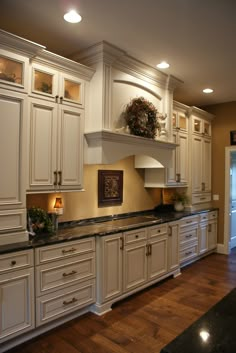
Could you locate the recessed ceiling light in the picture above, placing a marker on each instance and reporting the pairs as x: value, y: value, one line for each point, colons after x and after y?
x: 207, y: 90
x: 163, y: 65
x: 72, y: 16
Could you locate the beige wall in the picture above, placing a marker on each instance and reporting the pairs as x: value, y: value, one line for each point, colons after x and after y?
x: 224, y: 122
x: 83, y: 204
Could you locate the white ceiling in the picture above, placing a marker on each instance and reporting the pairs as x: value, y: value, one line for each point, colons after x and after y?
x: 197, y: 37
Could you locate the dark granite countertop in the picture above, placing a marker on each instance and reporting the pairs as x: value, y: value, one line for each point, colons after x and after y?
x: 101, y: 226
x: 214, y: 332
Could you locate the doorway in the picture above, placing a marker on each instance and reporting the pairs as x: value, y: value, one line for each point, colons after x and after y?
x: 230, y: 199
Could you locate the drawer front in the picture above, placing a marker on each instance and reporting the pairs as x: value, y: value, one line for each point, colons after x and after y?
x: 201, y: 198
x: 188, y: 253
x: 52, y: 306
x: 51, y: 277
x: 16, y: 260
x: 12, y: 220
x: 189, y: 237
x: 135, y: 235
x: 203, y: 217
x: 212, y: 215
x: 64, y: 250
x: 188, y: 222
x: 154, y: 231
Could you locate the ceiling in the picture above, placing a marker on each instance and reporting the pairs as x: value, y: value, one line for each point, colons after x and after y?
x: 197, y: 37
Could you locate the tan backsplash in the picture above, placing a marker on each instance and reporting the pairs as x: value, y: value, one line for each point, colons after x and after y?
x: 84, y: 204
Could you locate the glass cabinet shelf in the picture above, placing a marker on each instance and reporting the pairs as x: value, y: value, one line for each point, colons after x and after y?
x: 11, y: 70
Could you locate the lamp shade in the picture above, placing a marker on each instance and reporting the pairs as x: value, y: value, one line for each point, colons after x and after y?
x: 58, y: 202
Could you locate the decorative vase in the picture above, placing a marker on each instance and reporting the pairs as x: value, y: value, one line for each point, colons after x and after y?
x: 178, y: 206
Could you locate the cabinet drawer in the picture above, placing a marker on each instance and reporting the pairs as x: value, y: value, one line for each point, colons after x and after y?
x: 203, y: 217
x: 212, y: 215
x: 59, y: 274
x: 16, y: 260
x: 188, y: 253
x: 200, y: 198
x: 154, y: 231
x: 188, y: 221
x: 52, y: 306
x: 64, y: 250
x: 187, y: 237
x: 12, y: 220
x: 135, y: 235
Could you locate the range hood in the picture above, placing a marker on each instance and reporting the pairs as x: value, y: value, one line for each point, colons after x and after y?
x: 118, y: 78
x: 107, y: 147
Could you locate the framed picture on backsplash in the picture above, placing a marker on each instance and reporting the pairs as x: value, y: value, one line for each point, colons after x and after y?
x: 110, y: 187
x: 233, y: 137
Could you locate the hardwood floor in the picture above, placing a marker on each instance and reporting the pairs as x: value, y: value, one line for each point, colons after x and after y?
x: 148, y: 320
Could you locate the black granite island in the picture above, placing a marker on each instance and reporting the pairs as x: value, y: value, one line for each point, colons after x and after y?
x: 214, y: 332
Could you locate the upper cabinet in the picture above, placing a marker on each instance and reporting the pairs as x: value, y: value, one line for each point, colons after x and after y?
x: 56, y: 124
x: 201, y: 151
x: 15, y: 55
x: 57, y: 86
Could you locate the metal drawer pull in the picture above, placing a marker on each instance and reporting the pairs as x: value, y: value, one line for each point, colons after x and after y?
x: 188, y: 236
x: 55, y: 178
x: 150, y: 249
x: 202, y: 198
x: 188, y: 253
x: 136, y: 236
x: 69, y: 274
x: 159, y: 231
x: 13, y: 263
x: 188, y: 221
x: 68, y: 251
x: 73, y: 300
x: 59, y: 173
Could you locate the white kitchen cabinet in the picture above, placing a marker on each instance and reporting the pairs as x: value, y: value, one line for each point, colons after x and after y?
x: 55, y: 146
x: 157, y: 248
x: 65, y: 279
x: 201, y: 151
x: 56, y: 85
x: 12, y: 160
x: 130, y: 261
x: 135, y: 258
x: 207, y: 232
x: 16, y: 294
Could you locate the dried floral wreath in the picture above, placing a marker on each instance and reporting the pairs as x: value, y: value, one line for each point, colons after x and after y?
x: 141, y: 118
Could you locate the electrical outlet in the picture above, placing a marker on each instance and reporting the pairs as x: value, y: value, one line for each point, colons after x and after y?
x: 216, y: 197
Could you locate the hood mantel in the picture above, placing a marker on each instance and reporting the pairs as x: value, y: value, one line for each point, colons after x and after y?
x: 107, y: 147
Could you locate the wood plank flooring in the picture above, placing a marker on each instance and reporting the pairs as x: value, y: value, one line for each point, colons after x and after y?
x: 148, y: 320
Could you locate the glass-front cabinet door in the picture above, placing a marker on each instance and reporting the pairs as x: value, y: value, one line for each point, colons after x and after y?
x: 13, y: 71
x: 71, y: 89
x: 179, y: 121
x: 56, y: 85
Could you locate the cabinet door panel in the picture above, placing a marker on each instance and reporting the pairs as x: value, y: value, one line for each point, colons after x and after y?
x: 203, y: 238
x: 11, y: 152
x: 111, y: 267
x: 157, y: 260
x: 42, y: 144
x: 172, y: 171
x: 70, y: 162
x: 206, y: 164
x: 16, y: 302
x: 135, y: 266
x: 183, y: 157
x: 196, y: 164
x: 173, y: 247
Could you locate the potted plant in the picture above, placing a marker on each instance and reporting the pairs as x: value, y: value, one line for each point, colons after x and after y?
x: 180, y: 199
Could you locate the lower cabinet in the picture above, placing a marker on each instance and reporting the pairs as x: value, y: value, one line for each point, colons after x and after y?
x: 65, y: 278
x: 16, y: 294
x: 207, y: 232
x: 130, y: 261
